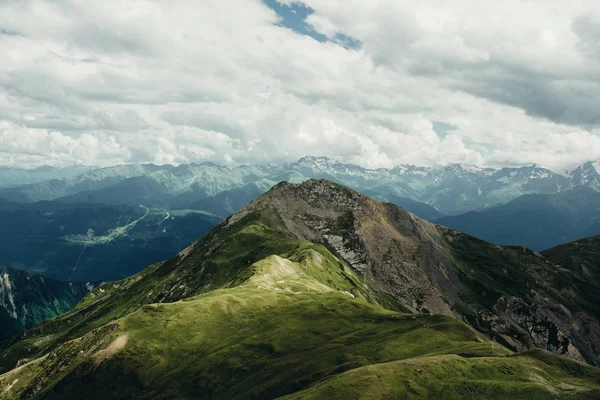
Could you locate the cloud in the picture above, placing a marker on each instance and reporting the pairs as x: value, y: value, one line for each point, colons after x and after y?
x: 366, y: 82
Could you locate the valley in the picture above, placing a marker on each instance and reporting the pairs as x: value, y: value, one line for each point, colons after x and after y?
x: 92, y: 242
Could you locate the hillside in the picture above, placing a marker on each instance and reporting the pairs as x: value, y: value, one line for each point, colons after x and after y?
x: 306, y: 288
x: 535, y: 221
x: 90, y: 242
x: 27, y: 300
x: 581, y: 256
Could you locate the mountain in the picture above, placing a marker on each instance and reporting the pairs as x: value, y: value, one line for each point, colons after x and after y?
x: 148, y: 184
x: 27, y: 300
x: 535, y: 221
x: 94, y: 179
x: 18, y: 176
x: 453, y: 189
x: 310, y: 291
x: 229, y: 201
x: 587, y: 175
x: 90, y: 242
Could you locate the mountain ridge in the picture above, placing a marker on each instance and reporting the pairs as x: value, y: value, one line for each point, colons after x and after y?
x: 286, y: 295
x: 452, y: 189
x: 536, y: 221
x: 430, y: 267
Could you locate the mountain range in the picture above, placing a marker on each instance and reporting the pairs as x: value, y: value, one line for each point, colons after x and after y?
x: 20, y: 176
x: 103, y: 224
x: 450, y: 190
x: 535, y: 221
x: 316, y: 291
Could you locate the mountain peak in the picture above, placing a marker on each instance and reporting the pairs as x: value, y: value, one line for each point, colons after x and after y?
x: 293, y: 199
x: 314, y: 161
x: 418, y: 262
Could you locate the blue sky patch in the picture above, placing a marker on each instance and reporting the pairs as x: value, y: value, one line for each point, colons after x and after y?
x: 294, y: 16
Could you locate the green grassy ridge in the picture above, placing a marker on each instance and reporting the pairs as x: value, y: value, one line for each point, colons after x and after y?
x: 528, y: 376
x: 249, y: 312
x: 220, y: 259
x: 214, y: 261
x: 279, y: 331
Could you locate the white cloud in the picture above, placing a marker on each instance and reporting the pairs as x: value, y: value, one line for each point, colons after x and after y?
x: 148, y: 81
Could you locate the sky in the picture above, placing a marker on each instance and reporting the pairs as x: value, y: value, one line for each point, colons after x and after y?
x: 376, y: 83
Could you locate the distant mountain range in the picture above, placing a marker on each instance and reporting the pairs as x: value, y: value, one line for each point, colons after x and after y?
x: 90, y: 242
x: 27, y: 300
x: 536, y: 221
x: 18, y: 176
x: 450, y: 190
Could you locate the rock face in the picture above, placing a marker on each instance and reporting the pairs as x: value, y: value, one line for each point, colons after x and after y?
x: 511, y: 293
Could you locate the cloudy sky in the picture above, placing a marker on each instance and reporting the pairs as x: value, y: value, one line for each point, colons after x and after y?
x: 376, y: 83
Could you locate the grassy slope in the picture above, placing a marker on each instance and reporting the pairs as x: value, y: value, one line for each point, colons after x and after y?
x: 533, y: 375
x: 581, y: 257
x: 253, y: 325
x: 289, y: 323
x: 213, y: 262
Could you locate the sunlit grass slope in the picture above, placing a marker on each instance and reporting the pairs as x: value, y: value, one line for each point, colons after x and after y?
x: 290, y: 322
x: 534, y: 375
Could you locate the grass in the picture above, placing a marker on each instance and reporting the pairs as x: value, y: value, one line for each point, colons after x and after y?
x: 279, y: 331
x: 215, y: 262
x: 454, y: 377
